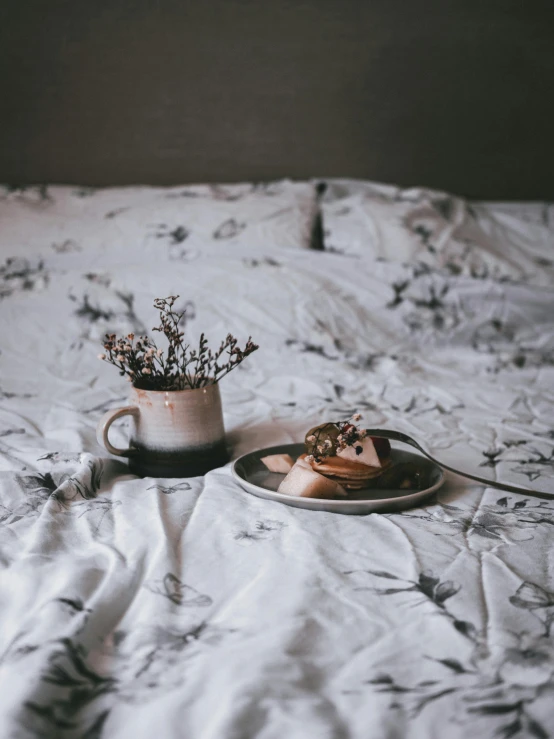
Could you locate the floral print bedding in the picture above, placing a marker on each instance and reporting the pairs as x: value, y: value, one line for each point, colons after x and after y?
x: 139, y: 607
x: 500, y: 241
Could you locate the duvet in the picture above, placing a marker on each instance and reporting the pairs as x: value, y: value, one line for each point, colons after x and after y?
x: 188, y: 608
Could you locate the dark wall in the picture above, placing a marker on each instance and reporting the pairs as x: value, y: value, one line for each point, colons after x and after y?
x: 455, y: 94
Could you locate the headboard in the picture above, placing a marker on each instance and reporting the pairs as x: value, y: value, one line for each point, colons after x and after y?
x: 453, y: 94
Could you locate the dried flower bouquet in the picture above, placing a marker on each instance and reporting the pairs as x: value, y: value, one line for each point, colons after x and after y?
x: 178, y: 368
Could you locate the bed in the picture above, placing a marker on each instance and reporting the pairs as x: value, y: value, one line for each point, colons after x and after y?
x: 188, y: 608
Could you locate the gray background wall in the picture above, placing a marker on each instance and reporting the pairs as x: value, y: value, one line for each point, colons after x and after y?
x: 455, y: 94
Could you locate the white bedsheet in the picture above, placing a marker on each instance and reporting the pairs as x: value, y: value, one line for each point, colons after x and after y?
x: 188, y: 608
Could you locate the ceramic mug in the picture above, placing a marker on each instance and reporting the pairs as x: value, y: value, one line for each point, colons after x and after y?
x: 178, y: 433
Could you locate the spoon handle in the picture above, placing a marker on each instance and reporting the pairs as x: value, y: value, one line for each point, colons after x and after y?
x: 404, y: 438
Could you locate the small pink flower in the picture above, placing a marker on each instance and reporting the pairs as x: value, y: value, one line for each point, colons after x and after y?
x: 101, y: 356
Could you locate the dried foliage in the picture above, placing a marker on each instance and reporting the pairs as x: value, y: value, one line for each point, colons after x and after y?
x: 179, y: 367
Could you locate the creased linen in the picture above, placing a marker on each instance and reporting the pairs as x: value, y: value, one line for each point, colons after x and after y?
x: 188, y: 608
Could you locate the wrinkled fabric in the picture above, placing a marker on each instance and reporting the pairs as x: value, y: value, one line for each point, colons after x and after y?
x: 189, y: 608
x: 503, y: 241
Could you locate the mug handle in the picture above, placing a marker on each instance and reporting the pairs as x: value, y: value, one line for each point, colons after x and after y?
x: 106, y: 421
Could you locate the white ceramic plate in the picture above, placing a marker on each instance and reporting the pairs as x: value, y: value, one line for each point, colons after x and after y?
x: 383, y: 495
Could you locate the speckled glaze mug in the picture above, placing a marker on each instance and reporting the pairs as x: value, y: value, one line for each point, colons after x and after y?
x: 176, y: 433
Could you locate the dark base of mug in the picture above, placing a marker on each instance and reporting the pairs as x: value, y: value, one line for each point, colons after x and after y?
x: 187, y: 463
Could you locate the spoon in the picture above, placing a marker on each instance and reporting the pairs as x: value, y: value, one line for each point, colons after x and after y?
x: 399, y: 436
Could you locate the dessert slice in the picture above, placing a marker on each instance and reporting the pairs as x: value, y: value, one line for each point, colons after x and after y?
x: 305, y: 482
x: 278, y: 463
x: 362, y: 451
